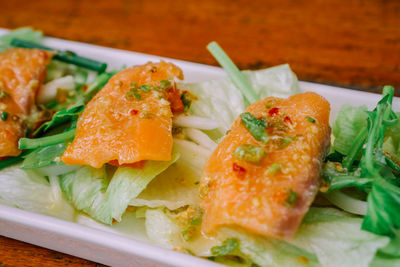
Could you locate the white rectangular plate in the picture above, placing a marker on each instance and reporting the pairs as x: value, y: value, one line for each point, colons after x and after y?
x: 110, y: 248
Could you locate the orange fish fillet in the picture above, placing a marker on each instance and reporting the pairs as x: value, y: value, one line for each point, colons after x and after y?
x: 270, y: 197
x: 114, y: 127
x: 22, y: 71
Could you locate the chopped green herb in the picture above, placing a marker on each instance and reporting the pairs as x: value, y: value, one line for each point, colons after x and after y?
x: 165, y: 84
x: 145, y: 88
x: 186, y: 100
x: 269, y: 104
x: 291, y: 198
x: 133, y: 93
x: 255, y: 126
x: 275, y: 168
x: 4, y: 95
x: 3, y: 115
x: 147, y: 115
x: 312, y: 120
x: 195, y: 221
x: 285, y: 141
x: 248, y: 152
x: 227, y: 247
x: 187, y: 234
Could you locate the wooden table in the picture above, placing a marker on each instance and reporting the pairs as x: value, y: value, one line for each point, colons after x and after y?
x: 351, y: 43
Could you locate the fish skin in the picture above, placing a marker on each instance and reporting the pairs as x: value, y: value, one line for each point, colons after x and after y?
x: 258, y: 199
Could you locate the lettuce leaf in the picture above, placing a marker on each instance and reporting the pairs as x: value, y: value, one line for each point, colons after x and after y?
x: 174, y: 188
x: 330, y: 234
x: 324, y: 234
x: 165, y: 229
x: 221, y: 101
x: 391, y: 144
x: 32, y: 192
x: 91, y: 191
x: 348, y: 124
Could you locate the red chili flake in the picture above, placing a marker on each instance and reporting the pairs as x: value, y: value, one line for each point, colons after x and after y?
x: 84, y: 87
x: 134, y: 112
x: 287, y: 119
x: 241, y: 172
x: 273, y: 111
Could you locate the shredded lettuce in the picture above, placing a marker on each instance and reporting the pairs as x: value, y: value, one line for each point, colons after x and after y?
x: 328, y: 235
x: 324, y: 234
x: 31, y: 191
x: 91, y: 191
x: 174, y: 188
x: 391, y: 144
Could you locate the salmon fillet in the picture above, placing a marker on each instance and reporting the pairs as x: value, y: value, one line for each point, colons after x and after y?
x: 269, y: 197
x: 120, y: 127
x: 22, y: 71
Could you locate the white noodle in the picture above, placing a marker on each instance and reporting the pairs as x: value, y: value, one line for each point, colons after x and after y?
x: 48, y: 91
x: 347, y: 203
x: 200, y: 138
x: 195, y: 122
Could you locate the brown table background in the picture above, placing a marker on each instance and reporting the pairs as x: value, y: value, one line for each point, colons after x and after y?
x: 353, y: 43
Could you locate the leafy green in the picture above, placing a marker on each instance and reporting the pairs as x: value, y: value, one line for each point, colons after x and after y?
x: 374, y: 173
x: 392, y: 249
x: 338, y: 180
x: 349, y: 122
x: 26, y: 143
x: 12, y: 160
x: 91, y: 191
x: 43, y: 156
x: 25, y: 33
x: 33, y: 192
x: 329, y: 233
x: 174, y: 188
x: 255, y: 126
x: 383, y: 216
x: 227, y: 247
x: 65, y: 56
x: 59, y: 118
x: 391, y: 145
x: 236, y: 76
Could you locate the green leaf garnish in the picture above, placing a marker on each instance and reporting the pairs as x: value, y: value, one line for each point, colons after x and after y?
x: 291, y: 197
x: 249, y: 152
x: 255, y: 126
x: 60, y: 118
x: 3, y: 115
x: 274, y: 168
x: 312, y: 120
x: 227, y: 247
x: 165, y: 84
x: 4, y: 95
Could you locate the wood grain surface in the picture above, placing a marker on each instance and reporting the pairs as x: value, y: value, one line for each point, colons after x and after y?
x: 353, y: 43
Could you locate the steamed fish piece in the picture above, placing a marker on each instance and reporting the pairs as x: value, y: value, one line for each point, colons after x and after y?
x: 130, y: 119
x: 264, y: 175
x: 22, y: 71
